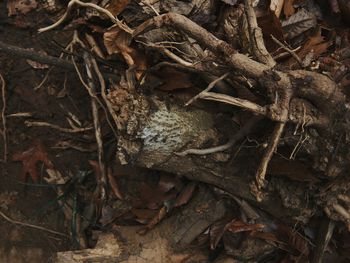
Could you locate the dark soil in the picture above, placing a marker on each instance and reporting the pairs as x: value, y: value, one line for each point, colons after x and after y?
x: 30, y: 203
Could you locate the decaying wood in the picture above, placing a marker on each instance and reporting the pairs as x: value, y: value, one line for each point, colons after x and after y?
x: 168, y: 242
x: 159, y: 130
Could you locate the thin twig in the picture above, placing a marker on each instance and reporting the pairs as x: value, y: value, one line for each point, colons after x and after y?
x: 244, y: 104
x: 256, y: 37
x: 8, y: 219
x: 114, y: 185
x: 237, y: 136
x: 168, y: 53
x: 97, y: 126
x: 147, y: 3
x: 104, y: 96
x: 20, y: 115
x: 3, y: 115
x: 94, y: 46
x: 208, y: 88
x: 56, y: 127
x: 291, y: 52
x: 260, y: 181
x: 102, y: 83
x: 90, y: 5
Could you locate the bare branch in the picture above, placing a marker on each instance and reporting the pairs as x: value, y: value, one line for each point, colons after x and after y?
x: 245, y: 104
x: 260, y: 181
x: 238, y: 61
x: 256, y: 37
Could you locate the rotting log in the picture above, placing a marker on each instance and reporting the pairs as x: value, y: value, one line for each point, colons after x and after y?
x: 152, y: 131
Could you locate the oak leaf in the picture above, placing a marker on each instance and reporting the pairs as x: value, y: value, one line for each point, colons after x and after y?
x: 30, y: 158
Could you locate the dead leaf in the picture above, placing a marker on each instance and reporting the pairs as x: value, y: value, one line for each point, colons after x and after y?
x: 316, y: 43
x: 155, y: 220
x: 30, y: 158
x: 237, y: 226
x: 293, y: 239
x: 96, y: 168
x: 118, y: 41
x: 268, y: 237
x: 284, y: 238
x: 186, y: 194
x: 298, y: 23
x: 117, y: 6
x: 271, y: 25
x: 16, y: 7
x: 143, y: 215
x: 216, y: 232
x: 288, y: 8
x: 168, y: 182
x: 114, y: 185
x: 153, y: 197
x: 173, y: 79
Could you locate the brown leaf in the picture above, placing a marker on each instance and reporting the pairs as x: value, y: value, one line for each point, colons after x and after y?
x: 293, y: 239
x: 114, y: 185
x: 155, y: 220
x: 143, y: 215
x: 168, y: 182
x: 237, y: 226
x: 288, y: 8
x: 153, y: 197
x: 173, y: 79
x: 186, y: 194
x: 271, y: 25
x: 118, y: 41
x: 217, y: 230
x: 30, y: 158
x: 267, y: 236
x: 117, y: 6
x: 284, y: 238
x: 316, y: 43
x: 96, y: 168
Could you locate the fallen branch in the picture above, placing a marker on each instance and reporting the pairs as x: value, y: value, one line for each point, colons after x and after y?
x: 14, y: 51
x: 32, y: 55
x: 56, y: 127
x: 291, y: 52
x: 210, y: 86
x: 238, y: 61
x: 256, y: 37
